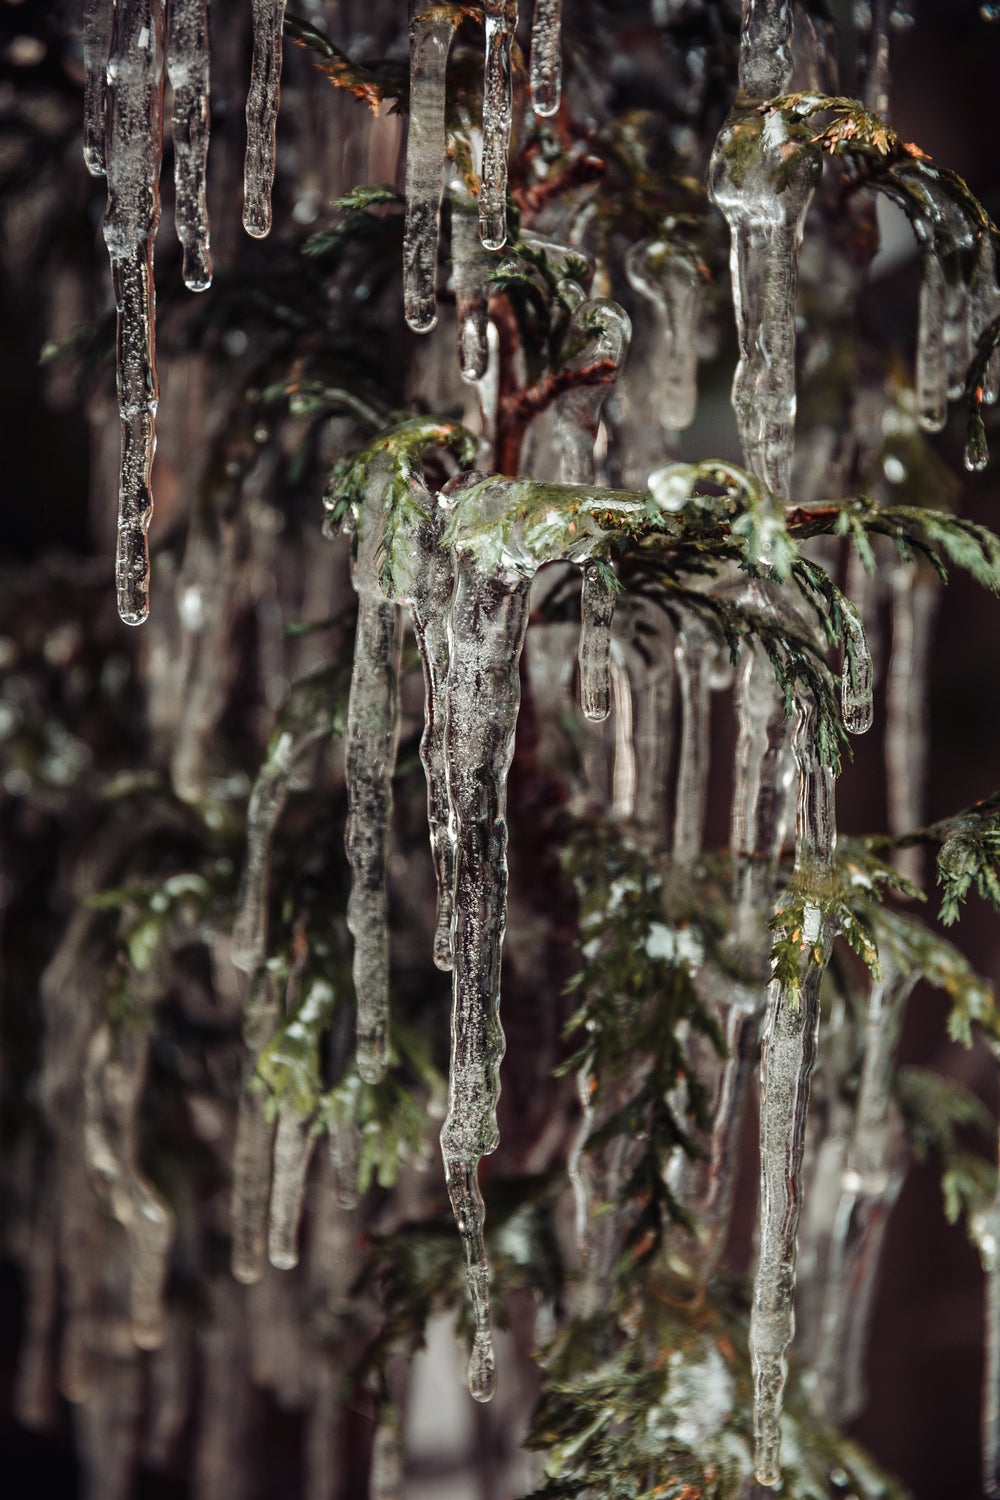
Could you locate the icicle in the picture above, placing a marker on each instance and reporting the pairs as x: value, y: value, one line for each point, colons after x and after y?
x: 763, y: 774
x: 765, y: 48
x: 98, y: 19
x: 673, y: 284
x: 649, y: 691
x: 170, y: 1386
x: 986, y: 1233
x: 789, y: 1046
x: 914, y: 604
x: 187, y: 69
x: 254, y: 1139
x: 604, y: 328
x: 293, y: 1148
x: 262, y: 115
x: 372, y: 734
x: 856, y: 676
x: 113, y: 1085
x: 766, y: 227
x: 501, y: 23
x: 471, y: 266
x: 597, y: 609
x: 386, y: 1476
x: 430, y: 39
x: 345, y: 1148
x: 873, y: 21
x: 692, y: 655
x: 33, y: 1402
x: 486, y: 630
x: 984, y: 306
x: 872, y: 1177
x: 134, y: 137
x: 546, y: 57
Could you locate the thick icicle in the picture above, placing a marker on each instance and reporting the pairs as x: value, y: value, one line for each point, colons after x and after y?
x: 430, y: 39
x: 187, y: 69
x: 693, y: 657
x: 873, y: 1175
x: 789, y: 1046
x: 471, y: 266
x: 765, y: 48
x: 115, y: 1074
x: 372, y: 737
x: 294, y: 1141
x: 486, y: 630
x: 501, y: 23
x: 766, y: 226
x: 546, y: 57
x: 672, y: 283
x: 134, y: 144
x: 597, y: 610
x: 856, y: 686
x: 98, y: 18
x: 262, y: 115
x: 986, y: 1233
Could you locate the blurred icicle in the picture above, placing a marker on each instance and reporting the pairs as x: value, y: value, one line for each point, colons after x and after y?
x: 672, y: 284
x: 872, y: 1177
x: 501, y: 23
x: 294, y: 1142
x: 603, y: 328
x: 385, y: 1480
x: 791, y: 1034
x: 254, y: 1138
x: 873, y: 20
x: 134, y: 145
x: 187, y: 69
x: 170, y: 1387
x: 597, y: 608
x: 546, y: 57
x: 33, y: 1400
x: 262, y: 115
x: 471, y: 267
x: 856, y: 688
x: 986, y: 1233
x: 984, y: 306
x: 430, y: 39
x: 98, y: 16
x: 693, y: 658
x: 914, y: 605
x: 113, y: 1083
x: 765, y: 48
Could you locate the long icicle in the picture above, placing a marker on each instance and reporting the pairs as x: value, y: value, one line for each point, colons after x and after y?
x: 501, y: 23
x: 790, y: 1040
x: 262, y: 115
x: 430, y: 39
x: 471, y: 268
x: 187, y: 69
x: 98, y: 19
x: 546, y: 57
x: 986, y: 1233
x: 692, y: 656
x: 134, y: 146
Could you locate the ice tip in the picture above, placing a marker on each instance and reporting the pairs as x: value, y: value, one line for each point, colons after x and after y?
x: 483, y: 1369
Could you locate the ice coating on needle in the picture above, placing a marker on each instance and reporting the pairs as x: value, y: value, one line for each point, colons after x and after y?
x: 597, y: 610
x: 763, y: 189
x: 98, y: 16
x: 471, y: 267
x: 430, y: 39
x: 856, y: 685
x: 501, y: 23
x: 873, y: 1175
x: 262, y: 115
x: 765, y: 48
x: 672, y: 283
x: 115, y: 1076
x: 134, y: 142
x: 791, y: 1034
x: 294, y: 1141
x: 546, y: 57
x: 187, y: 69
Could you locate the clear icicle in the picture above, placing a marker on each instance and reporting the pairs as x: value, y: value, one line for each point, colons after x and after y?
x: 597, y: 610
x: 471, y: 266
x: 673, y: 284
x: 486, y: 631
x: 604, y: 328
x: 294, y: 1141
x: 187, y: 69
x: 986, y: 1233
x: 114, y: 1078
x: 372, y: 736
x: 791, y: 1034
x: 932, y: 366
x: 873, y: 1175
x: 134, y: 145
x: 546, y: 57
x: 501, y: 23
x: 914, y: 603
x: 856, y: 685
x: 765, y: 48
x: 693, y: 657
x: 430, y: 39
x: 984, y: 306
x: 98, y: 18
x: 262, y: 115
x: 766, y: 228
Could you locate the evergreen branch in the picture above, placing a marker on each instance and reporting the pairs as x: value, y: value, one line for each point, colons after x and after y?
x: 365, y: 84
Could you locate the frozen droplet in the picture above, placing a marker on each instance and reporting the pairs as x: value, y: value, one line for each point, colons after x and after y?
x: 546, y: 57
x: 501, y: 23
x: 430, y: 38
x: 262, y: 115
x: 187, y: 69
x: 597, y: 609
